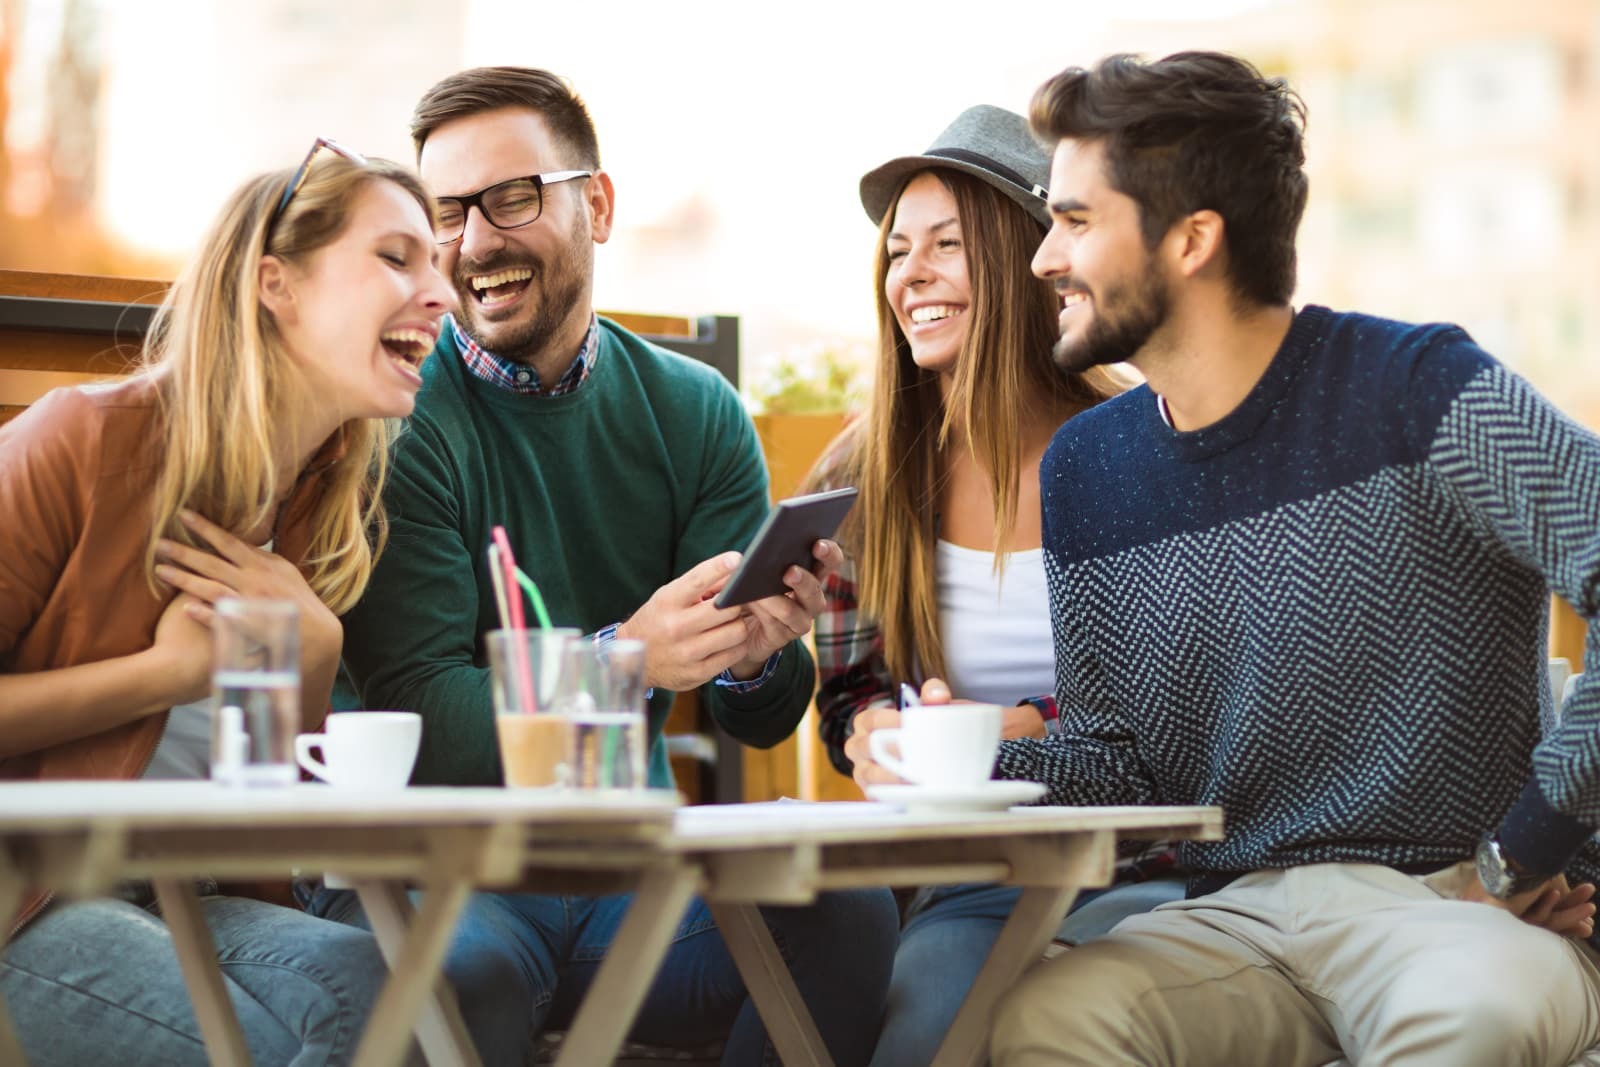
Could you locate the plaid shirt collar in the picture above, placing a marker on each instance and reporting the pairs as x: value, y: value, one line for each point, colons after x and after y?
x: 517, y: 378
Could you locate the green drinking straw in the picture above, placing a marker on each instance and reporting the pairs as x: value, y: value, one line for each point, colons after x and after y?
x: 534, y: 597
x: 608, y: 752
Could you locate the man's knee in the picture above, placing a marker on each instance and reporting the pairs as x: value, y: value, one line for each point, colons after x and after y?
x: 1070, y: 1009
x: 1521, y: 1008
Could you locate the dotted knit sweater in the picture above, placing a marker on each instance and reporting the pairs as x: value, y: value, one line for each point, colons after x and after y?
x: 1327, y: 612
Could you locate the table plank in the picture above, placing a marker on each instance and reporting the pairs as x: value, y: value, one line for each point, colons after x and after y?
x: 414, y: 997
x: 32, y: 806
x: 1033, y: 922
x: 766, y: 978
x: 197, y: 959
x: 703, y: 829
x: 630, y: 965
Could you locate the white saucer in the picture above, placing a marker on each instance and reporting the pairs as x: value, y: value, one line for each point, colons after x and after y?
x: 986, y: 796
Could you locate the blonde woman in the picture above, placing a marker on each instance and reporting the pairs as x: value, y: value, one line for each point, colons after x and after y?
x: 246, y: 457
x: 945, y: 574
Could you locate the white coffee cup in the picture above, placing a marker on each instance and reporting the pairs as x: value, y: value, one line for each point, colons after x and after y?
x: 363, y: 749
x: 950, y: 746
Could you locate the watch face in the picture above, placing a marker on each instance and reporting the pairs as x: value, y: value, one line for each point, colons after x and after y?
x: 1492, y: 871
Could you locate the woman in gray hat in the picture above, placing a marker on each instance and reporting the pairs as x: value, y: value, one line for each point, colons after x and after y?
x: 945, y: 576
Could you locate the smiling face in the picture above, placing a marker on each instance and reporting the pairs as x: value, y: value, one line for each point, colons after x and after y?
x: 927, y: 284
x: 1114, y: 295
x: 525, y: 293
x: 359, y: 315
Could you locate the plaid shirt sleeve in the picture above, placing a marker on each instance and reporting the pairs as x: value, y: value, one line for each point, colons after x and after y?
x: 1046, y: 707
x: 851, y: 674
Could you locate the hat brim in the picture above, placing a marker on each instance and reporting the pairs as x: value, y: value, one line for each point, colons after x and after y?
x: 879, y: 185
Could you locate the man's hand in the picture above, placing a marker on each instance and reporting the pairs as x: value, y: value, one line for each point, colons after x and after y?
x: 688, y: 640
x: 1554, y: 906
x: 780, y: 619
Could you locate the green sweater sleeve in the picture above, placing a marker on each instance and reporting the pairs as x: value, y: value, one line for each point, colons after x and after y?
x: 731, y: 506
x: 409, y: 644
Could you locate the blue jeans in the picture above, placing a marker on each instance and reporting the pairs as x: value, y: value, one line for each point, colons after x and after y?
x: 521, y: 963
x: 948, y: 933
x: 98, y: 982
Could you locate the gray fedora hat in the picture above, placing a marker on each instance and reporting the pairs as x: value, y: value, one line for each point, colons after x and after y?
x: 986, y: 142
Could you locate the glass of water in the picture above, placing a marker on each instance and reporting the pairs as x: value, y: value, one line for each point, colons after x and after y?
x: 255, y: 692
x: 602, y: 694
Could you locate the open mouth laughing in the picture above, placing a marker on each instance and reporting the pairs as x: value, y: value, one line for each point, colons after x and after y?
x: 503, y: 287
x: 407, y: 347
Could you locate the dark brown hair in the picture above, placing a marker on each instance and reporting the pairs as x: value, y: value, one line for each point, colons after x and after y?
x: 469, y: 92
x: 1192, y: 132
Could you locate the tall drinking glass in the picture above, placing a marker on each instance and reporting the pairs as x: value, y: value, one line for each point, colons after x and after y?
x: 524, y: 672
x: 255, y: 692
x: 603, y: 695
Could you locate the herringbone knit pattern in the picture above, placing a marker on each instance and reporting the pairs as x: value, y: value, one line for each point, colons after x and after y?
x: 1327, y: 612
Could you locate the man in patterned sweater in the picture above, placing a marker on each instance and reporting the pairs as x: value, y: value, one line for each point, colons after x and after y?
x: 1302, y: 574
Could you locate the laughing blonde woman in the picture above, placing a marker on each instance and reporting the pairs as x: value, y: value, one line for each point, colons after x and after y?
x: 245, y: 458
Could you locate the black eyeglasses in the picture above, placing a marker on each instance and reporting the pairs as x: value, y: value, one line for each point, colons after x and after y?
x: 506, y: 205
x: 304, y: 172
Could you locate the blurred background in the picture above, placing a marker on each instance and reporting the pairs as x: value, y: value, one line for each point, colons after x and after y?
x: 1455, y: 144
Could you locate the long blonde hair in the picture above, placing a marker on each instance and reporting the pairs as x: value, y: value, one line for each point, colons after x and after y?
x: 893, y: 453
x: 216, y: 355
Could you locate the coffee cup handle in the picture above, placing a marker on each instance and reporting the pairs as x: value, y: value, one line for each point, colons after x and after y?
x: 303, y: 744
x: 878, y: 742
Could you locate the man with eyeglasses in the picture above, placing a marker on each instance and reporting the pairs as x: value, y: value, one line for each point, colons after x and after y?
x: 623, y: 474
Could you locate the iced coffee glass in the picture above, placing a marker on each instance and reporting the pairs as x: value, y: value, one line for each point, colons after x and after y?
x: 524, y: 671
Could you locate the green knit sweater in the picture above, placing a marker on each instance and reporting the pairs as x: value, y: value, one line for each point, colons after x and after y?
x: 607, y: 493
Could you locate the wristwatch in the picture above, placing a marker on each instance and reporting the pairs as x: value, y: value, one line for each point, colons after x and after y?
x: 1500, y: 875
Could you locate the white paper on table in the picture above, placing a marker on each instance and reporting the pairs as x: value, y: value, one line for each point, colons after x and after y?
x: 791, y: 806
x: 776, y: 816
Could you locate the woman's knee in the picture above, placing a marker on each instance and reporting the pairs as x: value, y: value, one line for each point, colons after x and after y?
x: 860, y: 923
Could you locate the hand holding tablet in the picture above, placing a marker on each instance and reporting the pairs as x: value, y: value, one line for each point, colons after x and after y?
x: 785, y: 540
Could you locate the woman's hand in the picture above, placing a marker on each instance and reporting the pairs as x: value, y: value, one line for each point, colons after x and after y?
x: 183, y: 649
x: 234, y: 568
x: 855, y: 749
x: 1023, y: 720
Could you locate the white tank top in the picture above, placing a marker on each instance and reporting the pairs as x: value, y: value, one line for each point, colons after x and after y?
x: 997, y: 643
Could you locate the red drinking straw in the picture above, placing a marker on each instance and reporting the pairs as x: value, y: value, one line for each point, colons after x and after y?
x: 519, y: 640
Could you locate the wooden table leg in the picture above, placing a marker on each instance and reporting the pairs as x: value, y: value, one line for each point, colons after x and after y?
x: 766, y: 978
x: 613, y: 1000
x: 10, y: 900
x: 1021, y: 943
x: 197, y: 958
x: 416, y: 996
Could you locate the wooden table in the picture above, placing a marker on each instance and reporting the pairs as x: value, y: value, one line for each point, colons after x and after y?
x: 81, y: 837
x: 786, y: 853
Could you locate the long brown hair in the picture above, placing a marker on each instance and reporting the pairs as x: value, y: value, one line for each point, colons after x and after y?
x: 893, y: 454
x: 217, y: 357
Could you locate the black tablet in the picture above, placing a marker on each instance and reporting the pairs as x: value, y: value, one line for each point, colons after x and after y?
x: 785, y: 539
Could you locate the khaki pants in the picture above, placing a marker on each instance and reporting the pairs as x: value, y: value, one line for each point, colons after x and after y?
x: 1306, y: 966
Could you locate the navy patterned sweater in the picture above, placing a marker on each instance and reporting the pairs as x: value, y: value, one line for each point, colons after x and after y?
x: 1327, y: 612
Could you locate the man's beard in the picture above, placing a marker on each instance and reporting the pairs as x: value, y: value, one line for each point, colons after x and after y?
x: 560, y: 282
x: 1123, y: 323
